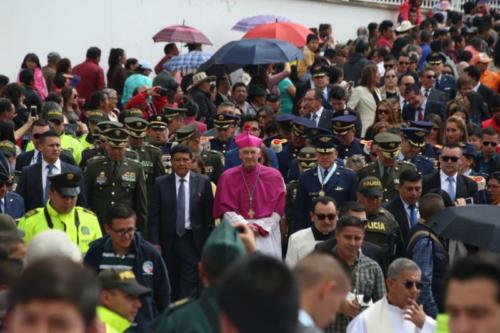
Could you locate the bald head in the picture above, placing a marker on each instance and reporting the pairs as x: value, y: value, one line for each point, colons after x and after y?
x: 318, y: 267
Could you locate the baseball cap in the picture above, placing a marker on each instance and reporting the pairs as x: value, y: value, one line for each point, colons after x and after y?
x: 121, y: 279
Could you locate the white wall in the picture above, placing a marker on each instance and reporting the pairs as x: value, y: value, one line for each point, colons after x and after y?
x: 71, y: 26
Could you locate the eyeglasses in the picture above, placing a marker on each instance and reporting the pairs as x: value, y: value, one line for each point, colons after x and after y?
x: 390, y: 76
x: 383, y: 111
x: 388, y: 66
x: 446, y: 73
x: 410, y: 284
x: 430, y: 76
x: 321, y: 217
x: 123, y: 232
x: 449, y: 158
x: 404, y: 63
x: 490, y: 143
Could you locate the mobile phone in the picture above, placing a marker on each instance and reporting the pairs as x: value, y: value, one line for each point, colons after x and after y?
x: 469, y: 201
x: 34, y: 111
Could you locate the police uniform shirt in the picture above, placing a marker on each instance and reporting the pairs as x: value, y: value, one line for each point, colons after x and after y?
x: 45, y: 171
x: 187, y: 222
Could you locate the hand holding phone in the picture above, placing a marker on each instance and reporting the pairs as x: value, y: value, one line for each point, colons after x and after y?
x: 34, y: 111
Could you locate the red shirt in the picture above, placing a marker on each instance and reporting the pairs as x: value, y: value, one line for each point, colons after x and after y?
x: 492, y: 123
x: 92, y: 78
x: 382, y: 41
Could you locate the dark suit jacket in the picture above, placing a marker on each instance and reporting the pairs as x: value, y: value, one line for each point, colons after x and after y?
x: 14, y: 205
x: 163, y: 212
x: 302, y: 89
x: 437, y: 95
x: 24, y: 159
x: 486, y: 93
x: 370, y: 250
x: 396, y: 208
x: 30, y: 185
x: 465, y: 186
x: 430, y: 107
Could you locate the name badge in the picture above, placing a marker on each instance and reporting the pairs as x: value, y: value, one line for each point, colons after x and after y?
x: 101, y: 179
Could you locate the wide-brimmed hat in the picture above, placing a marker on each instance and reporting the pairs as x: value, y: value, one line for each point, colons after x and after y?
x: 405, y: 26
x: 199, y: 78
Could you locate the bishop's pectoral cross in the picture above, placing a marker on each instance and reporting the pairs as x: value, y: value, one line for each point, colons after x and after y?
x: 251, y: 213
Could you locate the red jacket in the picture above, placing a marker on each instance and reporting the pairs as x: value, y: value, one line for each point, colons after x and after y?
x: 92, y: 78
x: 159, y: 103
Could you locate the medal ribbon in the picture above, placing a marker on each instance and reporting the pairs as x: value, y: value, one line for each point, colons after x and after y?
x: 328, y: 176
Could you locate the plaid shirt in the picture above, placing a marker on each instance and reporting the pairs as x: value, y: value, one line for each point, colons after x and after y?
x: 366, y: 279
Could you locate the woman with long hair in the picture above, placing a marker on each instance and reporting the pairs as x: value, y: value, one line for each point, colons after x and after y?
x: 365, y: 97
x: 32, y: 62
x: 384, y: 113
x: 117, y: 74
x: 455, y: 131
x: 390, y: 88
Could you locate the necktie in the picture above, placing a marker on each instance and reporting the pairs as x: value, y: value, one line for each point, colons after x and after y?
x: 116, y: 168
x: 325, y: 173
x: 180, y: 227
x: 420, y: 114
x: 413, y: 215
x: 1, y: 206
x: 385, y: 176
x: 451, y: 188
x: 39, y: 158
x: 314, y: 118
x: 50, y: 168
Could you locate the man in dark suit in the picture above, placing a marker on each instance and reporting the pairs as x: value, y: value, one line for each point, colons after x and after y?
x: 418, y: 106
x: 427, y: 82
x: 319, y: 80
x: 448, y: 179
x: 320, y: 115
x: 180, y: 220
x: 10, y: 203
x: 404, y: 207
x: 475, y: 74
x: 34, y: 156
x: 33, y: 184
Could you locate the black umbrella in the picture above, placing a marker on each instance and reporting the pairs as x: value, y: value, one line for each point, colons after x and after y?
x: 211, y: 68
x: 477, y: 225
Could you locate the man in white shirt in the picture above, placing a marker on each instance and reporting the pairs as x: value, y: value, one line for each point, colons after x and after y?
x: 398, y: 312
x: 323, y: 286
x: 324, y: 220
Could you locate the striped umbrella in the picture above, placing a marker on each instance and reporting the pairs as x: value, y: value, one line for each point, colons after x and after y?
x: 181, y: 34
x: 249, y: 23
x: 188, y: 62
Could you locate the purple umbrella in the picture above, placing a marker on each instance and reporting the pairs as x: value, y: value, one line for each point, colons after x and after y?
x: 181, y: 34
x: 249, y: 23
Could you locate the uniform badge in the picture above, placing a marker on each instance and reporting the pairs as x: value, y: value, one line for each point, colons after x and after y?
x: 101, y: 179
x: 339, y: 188
x: 85, y: 230
x: 147, y: 267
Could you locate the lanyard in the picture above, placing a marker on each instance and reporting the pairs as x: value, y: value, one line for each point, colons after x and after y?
x: 51, y: 225
x: 328, y: 176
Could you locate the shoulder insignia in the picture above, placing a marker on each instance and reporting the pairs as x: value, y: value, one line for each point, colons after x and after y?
x: 151, y: 147
x: 179, y: 304
x: 88, y: 211
x: 31, y: 212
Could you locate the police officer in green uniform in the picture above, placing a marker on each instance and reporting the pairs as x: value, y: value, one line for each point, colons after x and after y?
x: 115, y: 179
x: 149, y: 155
x: 307, y: 160
x: 222, y: 248
x: 157, y: 135
x: 88, y: 140
x: 176, y: 118
x: 61, y: 213
x: 381, y: 227
x: 386, y: 166
x: 100, y: 141
x: 212, y: 159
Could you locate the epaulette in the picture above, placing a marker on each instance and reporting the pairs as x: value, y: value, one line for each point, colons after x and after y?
x: 88, y: 211
x: 150, y: 146
x: 96, y: 158
x: 215, y: 152
x: 179, y: 304
x: 291, y: 182
x: 31, y: 212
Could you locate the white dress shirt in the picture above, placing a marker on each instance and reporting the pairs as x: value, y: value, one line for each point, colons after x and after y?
x: 45, y: 171
x: 35, y: 156
x: 445, y: 183
x: 2, y: 205
x: 187, y: 223
x: 424, y: 104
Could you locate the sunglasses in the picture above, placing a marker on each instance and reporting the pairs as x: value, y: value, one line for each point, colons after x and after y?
x: 321, y: 217
x: 390, y: 76
x: 383, y: 111
x: 446, y: 73
x: 410, y: 284
x: 430, y: 76
x: 449, y: 158
x: 490, y: 143
x: 388, y: 66
x: 435, y: 129
x: 404, y: 63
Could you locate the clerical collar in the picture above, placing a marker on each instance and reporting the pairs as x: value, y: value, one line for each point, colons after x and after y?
x: 319, y: 236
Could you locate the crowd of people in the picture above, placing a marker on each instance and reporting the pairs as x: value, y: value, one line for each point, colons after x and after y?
x: 295, y: 198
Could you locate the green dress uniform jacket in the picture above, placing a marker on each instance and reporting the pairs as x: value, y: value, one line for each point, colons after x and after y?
x: 106, y: 189
x: 200, y: 316
x: 88, y: 153
x: 80, y: 224
x: 214, y: 163
x: 392, y: 180
x: 150, y: 158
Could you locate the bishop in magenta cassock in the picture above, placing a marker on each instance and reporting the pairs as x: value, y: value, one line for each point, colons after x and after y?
x: 253, y: 193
